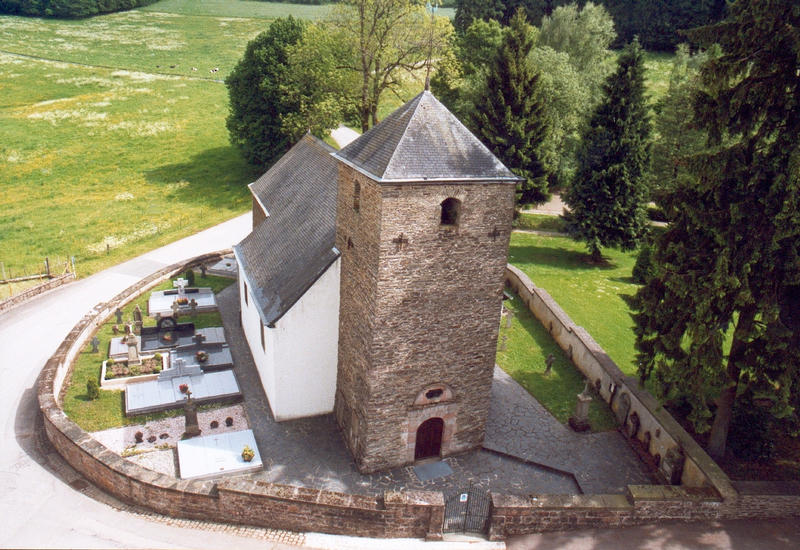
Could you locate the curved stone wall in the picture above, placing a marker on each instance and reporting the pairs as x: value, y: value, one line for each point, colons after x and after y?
x: 706, y: 494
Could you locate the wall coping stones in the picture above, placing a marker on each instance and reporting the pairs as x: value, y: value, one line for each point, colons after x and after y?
x: 713, y: 474
x: 396, y: 513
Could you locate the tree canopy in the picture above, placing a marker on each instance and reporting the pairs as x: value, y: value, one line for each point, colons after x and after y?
x: 607, y: 196
x: 69, y: 8
x: 257, y: 106
x: 509, y: 116
x: 717, y: 324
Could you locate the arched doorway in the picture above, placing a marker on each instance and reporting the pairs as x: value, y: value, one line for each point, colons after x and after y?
x: 429, y: 439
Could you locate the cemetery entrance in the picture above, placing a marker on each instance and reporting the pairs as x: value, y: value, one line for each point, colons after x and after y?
x: 467, y: 511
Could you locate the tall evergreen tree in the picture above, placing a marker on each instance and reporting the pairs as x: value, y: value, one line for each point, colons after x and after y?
x: 509, y: 115
x: 607, y: 196
x: 717, y: 323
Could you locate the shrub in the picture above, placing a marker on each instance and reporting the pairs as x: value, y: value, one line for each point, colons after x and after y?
x: 751, y: 435
x: 214, y: 424
x: 189, y: 275
x: 157, y: 358
x: 136, y: 370
x: 643, y: 269
x: 110, y: 362
x: 139, y: 437
x: 229, y: 421
x: 151, y: 439
x: 92, y: 389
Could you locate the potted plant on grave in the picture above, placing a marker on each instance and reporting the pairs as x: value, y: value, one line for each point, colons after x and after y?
x: 201, y: 356
x: 182, y: 301
x: 167, y: 337
x: 183, y: 388
x: 248, y: 454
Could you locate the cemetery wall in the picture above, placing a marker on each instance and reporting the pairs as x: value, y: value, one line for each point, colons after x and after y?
x: 407, y: 514
x: 22, y: 297
x: 641, y: 416
x: 706, y: 492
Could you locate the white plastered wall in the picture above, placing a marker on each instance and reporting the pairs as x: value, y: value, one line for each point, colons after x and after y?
x: 298, y: 365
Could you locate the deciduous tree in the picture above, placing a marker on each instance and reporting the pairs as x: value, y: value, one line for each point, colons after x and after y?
x: 718, y: 322
x: 256, y: 104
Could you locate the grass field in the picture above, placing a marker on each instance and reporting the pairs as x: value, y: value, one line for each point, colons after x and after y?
x: 527, y: 345
x: 594, y: 297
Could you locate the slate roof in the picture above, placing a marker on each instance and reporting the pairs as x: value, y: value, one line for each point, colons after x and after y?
x: 423, y: 141
x: 287, y: 252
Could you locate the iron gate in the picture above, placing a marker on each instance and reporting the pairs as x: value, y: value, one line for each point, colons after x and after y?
x: 467, y: 511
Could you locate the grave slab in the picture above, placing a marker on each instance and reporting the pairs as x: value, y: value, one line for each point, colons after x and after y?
x: 159, y: 395
x: 160, y: 301
x: 226, y: 267
x: 213, y: 455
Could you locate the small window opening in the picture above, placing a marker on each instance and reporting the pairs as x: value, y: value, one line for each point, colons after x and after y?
x: 245, y: 293
x: 263, y: 343
x: 450, y: 211
x: 357, y: 197
x: 433, y: 394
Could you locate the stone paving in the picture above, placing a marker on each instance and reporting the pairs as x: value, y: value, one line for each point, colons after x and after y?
x: 311, y: 452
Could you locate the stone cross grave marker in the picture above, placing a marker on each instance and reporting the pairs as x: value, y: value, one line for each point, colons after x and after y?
x: 190, y: 413
x: 118, y: 315
x: 133, y: 348
x: 549, y: 363
x: 137, y: 318
x: 199, y: 338
x: 176, y: 309
x: 193, y: 305
x: 580, y: 421
x: 180, y: 284
x: 95, y: 344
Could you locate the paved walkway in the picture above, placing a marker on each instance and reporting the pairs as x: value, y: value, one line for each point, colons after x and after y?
x: 521, y: 437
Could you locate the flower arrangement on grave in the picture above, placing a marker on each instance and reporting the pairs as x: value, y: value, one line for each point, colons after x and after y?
x: 248, y: 454
x: 167, y: 337
x: 182, y: 301
x: 183, y: 388
x: 201, y: 356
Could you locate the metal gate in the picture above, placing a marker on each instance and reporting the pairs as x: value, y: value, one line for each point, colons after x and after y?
x: 467, y: 511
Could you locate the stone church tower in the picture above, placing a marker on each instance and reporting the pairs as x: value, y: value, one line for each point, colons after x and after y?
x: 424, y: 215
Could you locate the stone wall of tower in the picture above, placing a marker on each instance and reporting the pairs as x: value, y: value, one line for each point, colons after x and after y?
x: 420, y: 306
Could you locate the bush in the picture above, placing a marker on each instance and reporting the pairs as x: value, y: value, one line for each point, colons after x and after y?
x: 110, y: 362
x: 229, y: 421
x: 189, y: 276
x: 139, y: 437
x: 643, y: 269
x: 92, y: 389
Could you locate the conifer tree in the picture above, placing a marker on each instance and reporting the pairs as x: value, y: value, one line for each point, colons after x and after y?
x: 607, y: 196
x: 717, y: 324
x: 509, y: 115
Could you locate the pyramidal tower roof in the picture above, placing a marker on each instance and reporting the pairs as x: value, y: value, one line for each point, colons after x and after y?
x: 423, y: 141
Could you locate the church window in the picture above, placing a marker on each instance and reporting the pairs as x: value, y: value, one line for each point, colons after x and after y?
x: 433, y: 394
x: 451, y: 209
x: 357, y: 197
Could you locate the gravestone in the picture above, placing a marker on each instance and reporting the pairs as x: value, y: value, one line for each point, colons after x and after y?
x: 133, y: 348
x: 199, y: 338
x: 193, y: 306
x: 623, y: 408
x: 95, y: 344
x: 580, y: 420
x: 509, y: 317
x: 180, y: 284
x: 137, y: 319
x: 549, y: 363
x: 672, y: 465
x: 118, y: 315
x: 176, y: 308
x: 190, y: 414
x: 179, y: 368
x: 203, y: 270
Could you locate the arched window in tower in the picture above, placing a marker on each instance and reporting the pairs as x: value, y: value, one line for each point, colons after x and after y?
x: 357, y: 196
x: 451, y: 211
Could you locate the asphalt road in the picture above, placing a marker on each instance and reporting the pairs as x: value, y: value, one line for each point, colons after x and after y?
x: 44, y: 505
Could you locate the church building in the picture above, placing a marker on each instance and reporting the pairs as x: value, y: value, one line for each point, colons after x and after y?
x: 371, y: 284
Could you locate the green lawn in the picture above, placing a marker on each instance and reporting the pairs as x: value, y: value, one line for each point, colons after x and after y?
x: 527, y: 346
x: 539, y: 222
x: 237, y: 8
x: 593, y: 296
x: 107, y: 163
x: 108, y: 411
x: 658, y: 67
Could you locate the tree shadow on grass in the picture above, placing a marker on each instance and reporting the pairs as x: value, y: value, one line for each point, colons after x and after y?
x: 556, y: 257
x: 215, y: 177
